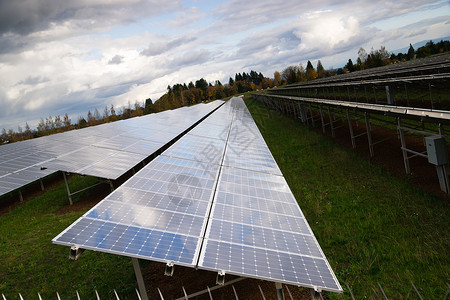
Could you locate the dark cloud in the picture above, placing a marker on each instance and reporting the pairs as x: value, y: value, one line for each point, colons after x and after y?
x: 160, y: 47
x: 26, y: 16
x: 116, y: 60
x: 20, y: 19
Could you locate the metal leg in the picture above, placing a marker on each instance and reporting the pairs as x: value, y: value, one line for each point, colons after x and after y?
x: 111, y: 185
x: 431, y: 96
x: 407, y: 97
x: 443, y: 178
x: 321, y: 119
x: 42, y: 184
x: 333, y: 134
x: 350, y: 128
x: 67, y: 188
x: 303, y: 117
x: 279, y: 287
x: 20, y: 195
x: 139, y: 278
x: 312, y: 117
x: 365, y: 91
x: 402, y: 140
x: 369, y: 135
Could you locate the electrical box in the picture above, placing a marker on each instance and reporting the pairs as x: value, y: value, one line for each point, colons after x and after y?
x: 436, y: 150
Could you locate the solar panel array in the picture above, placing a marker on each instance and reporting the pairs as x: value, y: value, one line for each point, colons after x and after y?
x: 215, y: 200
x: 107, y: 151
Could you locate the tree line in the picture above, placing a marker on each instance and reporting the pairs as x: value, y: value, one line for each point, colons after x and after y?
x: 187, y: 94
x: 179, y: 95
x: 375, y: 58
x: 57, y: 124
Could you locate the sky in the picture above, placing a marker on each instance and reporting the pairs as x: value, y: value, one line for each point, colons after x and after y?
x: 72, y: 56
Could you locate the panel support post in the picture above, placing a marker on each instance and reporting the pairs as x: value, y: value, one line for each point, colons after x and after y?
x: 279, y: 287
x: 321, y: 119
x: 312, y: 117
x: 333, y: 134
x: 303, y: 116
x: 42, y: 184
x: 111, y: 184
x: 350, y: 128
x: 21, y: 196
x: 443, y: 178
x: 369, y: 135
x: 139, y: 278
x: 403, y: 142
x: 67, y: 188
x: 315, y: 295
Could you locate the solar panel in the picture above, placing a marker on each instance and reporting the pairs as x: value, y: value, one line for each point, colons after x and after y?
x: 158, y: 214
x: 256, y: 228
x: 217, y: 203
x: 108, y: 150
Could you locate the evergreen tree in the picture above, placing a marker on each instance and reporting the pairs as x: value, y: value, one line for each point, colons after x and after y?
x: 411, y: 52
x: 320, y: 70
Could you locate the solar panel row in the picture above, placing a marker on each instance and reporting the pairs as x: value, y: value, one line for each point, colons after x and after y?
x: 256, y: 228
x: 106, y: 151
x: 215, y: 200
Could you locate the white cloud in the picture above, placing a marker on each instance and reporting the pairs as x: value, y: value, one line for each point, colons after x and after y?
x: 75, y: 56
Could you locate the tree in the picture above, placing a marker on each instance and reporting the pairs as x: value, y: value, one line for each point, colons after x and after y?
x: 28, y: 134
x: 349, y: 66
x: 201, y: 84
x: 90, y: 118
x: 362, y: 57
x: 320, y: 69
x: 58, y: 122
x: 311, y: 73
x: 41, y: 127
x: 231, y: 81
x: 276, y: 78
x: 290, y: 74
x: 81, y: 123
x: 138, y: 111
x: 66, y: 121
x: 4, y: 136
x: 411, y: 52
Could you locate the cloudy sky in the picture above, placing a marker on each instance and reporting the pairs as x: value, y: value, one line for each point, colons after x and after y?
x: 72, y: 56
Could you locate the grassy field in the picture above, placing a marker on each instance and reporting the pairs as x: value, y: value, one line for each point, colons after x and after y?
x: 30, y: 263
x: 373, y: 228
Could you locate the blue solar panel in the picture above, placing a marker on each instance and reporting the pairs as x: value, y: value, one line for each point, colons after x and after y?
x: 165, y: 204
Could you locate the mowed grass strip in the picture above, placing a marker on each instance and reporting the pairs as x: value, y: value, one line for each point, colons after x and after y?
x: 30, y: 263
x: 373, y: 228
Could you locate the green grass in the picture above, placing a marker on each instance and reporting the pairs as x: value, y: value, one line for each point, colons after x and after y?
x: 30, y: 263
x: 373, y: 228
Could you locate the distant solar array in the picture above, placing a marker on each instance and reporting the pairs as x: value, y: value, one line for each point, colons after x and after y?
x: 417, y: 67
x: 107, y: 151
x: 215, y: 200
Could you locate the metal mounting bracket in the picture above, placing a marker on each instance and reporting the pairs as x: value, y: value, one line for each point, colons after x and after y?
x: 168, y: 271
x: 220, y: 279
x: 75, y: 252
